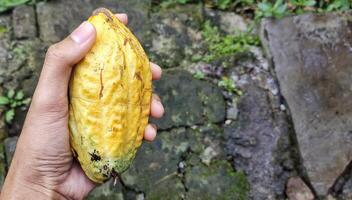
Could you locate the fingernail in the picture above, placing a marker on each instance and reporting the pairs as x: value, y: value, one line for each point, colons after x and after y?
x: 151, y: 133
x: 82, y: 33
x: 157, y: 66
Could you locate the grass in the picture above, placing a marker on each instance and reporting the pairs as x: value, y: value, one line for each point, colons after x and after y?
x: 229, y: 86
x: 8, y: 4
x: 220, y: 45
x: 199, y: 75
x: 270, y: 8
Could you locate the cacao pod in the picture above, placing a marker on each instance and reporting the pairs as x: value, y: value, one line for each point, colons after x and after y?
x: 109, y: 94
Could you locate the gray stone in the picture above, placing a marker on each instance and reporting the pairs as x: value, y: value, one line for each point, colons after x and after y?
x: 54, y: 25
x: 3, y: 165
x: 159, y: 167
x: 204, y: 100
x: 24, y: 61
x: 254, y: 142
x: 155, y: 169
x: 296, y: 189
x: 21, y: 71
x: 107, y: 191
x: 175, y: 35
x: 56, y: 19
x: 205, y: 68
x: 330, y: 197
x: 24, y: 22
x: 206, y: 142
x: 346, y: 190
x: 5, y: 39
x: 3, y: 128
x: 232, y: 112
x: 217, y: 181
x: 229, y: 22
x: 5, y: 28
x: 312, y: 55
x: 10, y: 147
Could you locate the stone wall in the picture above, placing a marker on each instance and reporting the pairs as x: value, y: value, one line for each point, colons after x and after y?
x: 286, y: 136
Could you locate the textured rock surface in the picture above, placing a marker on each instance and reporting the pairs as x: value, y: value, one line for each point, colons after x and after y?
x: 296, y: 189
x: 161, y: 167
x: 10, y: 147
x: 24, y: 22
x: 229, y: 22
x: 204, y: 100
x: 347, y: 190
x: 189, y: 160
x: 312, y: 58
x: 253, y: 141
x: 55, y: 26
x: 175, y: 34
x: 107, y: 191
x: 217, y: 181
x: 155, y: 170
x: 2, y: 165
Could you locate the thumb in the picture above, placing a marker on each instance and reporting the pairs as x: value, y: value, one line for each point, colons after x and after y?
x: 51, y: 91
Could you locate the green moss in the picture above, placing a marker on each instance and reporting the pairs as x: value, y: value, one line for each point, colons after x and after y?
x: 221, y: 46
x: 240, y: 187
x: 229, y: 86
x: 3, y: 30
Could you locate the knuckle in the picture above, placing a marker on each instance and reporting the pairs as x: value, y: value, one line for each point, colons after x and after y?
x: 55, y: 53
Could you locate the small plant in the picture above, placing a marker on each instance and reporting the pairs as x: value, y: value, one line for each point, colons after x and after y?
x: 224, y: 45
x: 8, y: 4
x: 229, y: 86
x: 268, y: 9
x: 168, y: 3
x: 11, y: 101
x: 335, y: 5
x: 300, y: 6
x: 3, y: 30
x: 199, y: 75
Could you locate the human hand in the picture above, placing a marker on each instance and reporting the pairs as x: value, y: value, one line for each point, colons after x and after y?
x: 43, y: 166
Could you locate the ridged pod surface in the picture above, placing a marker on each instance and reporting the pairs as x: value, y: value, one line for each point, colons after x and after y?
x: 110, y: 93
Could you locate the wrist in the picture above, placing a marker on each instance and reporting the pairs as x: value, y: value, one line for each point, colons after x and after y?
x: 20, y: 184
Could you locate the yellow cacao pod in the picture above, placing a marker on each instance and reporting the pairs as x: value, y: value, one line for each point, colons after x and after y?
x: 110, y: 93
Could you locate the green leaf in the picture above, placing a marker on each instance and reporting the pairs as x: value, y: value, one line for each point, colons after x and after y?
x: 4, y: 100
x: 19, y: 95
x: 10, y: 94
x: 7, y: 4
x: 278, y: 3
x: 13, y: 104
x: 265, y: 6
x: 199, y: 75
x: 310, y: 3
x: 26, y: 101
x: 9, y: 115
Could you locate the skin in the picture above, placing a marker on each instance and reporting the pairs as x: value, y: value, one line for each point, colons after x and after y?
x: 43, y: 166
